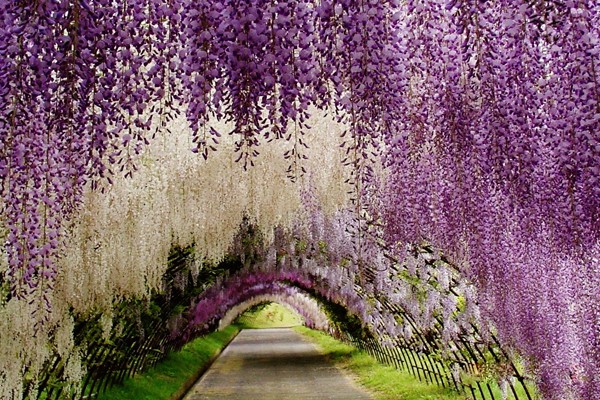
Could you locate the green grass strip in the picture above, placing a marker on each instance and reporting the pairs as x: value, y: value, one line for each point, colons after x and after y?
x: 384, y: 382
x: 169, y: 378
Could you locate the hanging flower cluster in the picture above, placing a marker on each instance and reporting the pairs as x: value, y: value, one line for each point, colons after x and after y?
x: 496, y: 161
x: 84, y: 84
x: 262, y: 64
x: 75, y: 81
x: 114, y: 247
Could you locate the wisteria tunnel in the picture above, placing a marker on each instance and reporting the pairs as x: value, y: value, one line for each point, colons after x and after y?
x: 420, y: 179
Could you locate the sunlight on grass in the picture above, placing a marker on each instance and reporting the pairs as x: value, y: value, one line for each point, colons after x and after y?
x: 385, y: 382
x: 272, y: 315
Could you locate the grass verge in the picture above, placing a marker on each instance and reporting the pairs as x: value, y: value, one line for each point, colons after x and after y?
x: 168, y: 378
x: 385, y: 382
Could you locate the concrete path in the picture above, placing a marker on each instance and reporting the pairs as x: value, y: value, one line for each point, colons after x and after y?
x: 273, y: 364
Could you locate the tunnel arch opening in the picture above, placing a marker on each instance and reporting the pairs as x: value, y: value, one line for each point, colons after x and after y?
x: 301, y: 305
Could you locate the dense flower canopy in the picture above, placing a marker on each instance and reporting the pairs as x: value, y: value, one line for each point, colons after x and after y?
x: 470, y: 126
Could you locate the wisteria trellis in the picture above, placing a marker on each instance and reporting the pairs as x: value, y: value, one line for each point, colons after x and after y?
x: 484, y: 114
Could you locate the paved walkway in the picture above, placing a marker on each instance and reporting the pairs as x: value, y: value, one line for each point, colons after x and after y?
x: 275, y: 364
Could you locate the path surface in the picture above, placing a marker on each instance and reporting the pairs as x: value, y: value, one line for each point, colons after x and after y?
x: 277, y: 364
